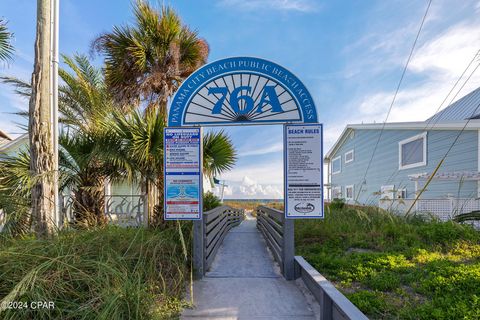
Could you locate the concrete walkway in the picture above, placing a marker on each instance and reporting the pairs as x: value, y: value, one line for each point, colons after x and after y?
x: 245, y: 283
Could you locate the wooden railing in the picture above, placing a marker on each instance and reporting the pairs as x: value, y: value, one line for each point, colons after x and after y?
x: 209, y: 234
x: 217, y: 223
x: 333, y: 304
x: 278, y: 233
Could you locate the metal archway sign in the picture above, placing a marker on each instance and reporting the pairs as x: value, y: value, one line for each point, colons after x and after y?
x: 237, y: 91
x: 241, y: 90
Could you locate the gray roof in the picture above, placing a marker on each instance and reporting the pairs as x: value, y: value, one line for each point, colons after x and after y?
x: 465, y: 108
x: 4, y: 136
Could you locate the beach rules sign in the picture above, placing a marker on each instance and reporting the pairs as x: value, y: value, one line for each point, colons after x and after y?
x: 303, y: 153
x: 183, y: 173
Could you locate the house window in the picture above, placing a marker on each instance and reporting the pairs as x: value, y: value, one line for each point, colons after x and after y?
x: 336, y: 192
x: 349, y: 192
x: 412, y: 152
x: 402, y: 193
x: 337, y: 165
x: 349, y: 156
x: 387, y: 192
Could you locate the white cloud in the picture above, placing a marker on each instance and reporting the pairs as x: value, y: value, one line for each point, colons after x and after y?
x: 433, y: 70
x: 270, y: 148
x: 248, y: 188
x: 282, y: 5
x: 448, y: 52
x: 269, y: 173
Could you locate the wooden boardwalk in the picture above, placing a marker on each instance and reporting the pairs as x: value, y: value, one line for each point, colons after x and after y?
x: 244, y: 282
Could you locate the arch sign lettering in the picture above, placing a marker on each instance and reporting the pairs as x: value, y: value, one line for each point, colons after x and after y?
x: 241, y: 90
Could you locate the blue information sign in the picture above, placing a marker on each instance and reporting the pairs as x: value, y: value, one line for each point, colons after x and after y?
x: 183, y: 173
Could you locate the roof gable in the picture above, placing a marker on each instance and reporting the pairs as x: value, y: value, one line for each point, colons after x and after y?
x: 10, y: 144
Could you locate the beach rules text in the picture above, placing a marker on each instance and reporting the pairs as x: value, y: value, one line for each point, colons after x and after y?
x: 303, y: 171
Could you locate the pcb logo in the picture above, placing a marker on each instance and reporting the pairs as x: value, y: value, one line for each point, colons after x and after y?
x: 304, y: 207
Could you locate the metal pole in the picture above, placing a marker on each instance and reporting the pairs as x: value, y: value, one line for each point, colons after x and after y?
x: 288, y: 249
x: 54, y: 99
x: 223, y: 189
x: 198, y: 248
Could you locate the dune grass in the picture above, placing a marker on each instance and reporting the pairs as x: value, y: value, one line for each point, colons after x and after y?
x: 109, y: 273
x: 252, y: 205
x: 396, y: 268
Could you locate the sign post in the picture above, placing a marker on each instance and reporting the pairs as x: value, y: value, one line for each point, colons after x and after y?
x: 303, y: 152
x: 183, y: 173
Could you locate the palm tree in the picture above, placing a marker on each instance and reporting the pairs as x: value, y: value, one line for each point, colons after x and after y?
x: 139, y: 138
x: 136, y: 140
x: 148, y: 61
x: 81, y: 172
x: 40, y: 133
x: 100, y: 142
x: 219, y: 155
x: 84, y: 101
x: 15, y: 193
x: 6, y: 48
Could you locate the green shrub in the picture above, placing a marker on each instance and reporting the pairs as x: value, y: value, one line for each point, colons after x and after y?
x: 210, y: 201
x: 337, y: 204
x: 394, y: 267
x: 370, y: 302
x: 109, y: 273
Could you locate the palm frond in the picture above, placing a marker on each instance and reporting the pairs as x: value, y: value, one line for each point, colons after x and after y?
x: 21, y: 87
x: 219, y: 154
x: 146, y: 61
x: 6, y: 48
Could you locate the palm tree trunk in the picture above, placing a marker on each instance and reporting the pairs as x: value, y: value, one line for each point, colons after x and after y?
x: 40, y: 135
x: 89, y: 202
x: 160, y: 215
x: 150, y: 191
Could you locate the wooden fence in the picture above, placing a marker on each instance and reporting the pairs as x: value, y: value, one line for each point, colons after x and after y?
x: 279, y: 235
x: 333, y: 304
x: 209, y: 234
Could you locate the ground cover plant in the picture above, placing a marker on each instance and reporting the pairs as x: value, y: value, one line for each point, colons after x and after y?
x: 391, y: 267
x: 109, y: 273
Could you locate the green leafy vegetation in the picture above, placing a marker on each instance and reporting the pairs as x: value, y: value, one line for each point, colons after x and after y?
x: 210, y: 201
x: 109, y: 273
x: 392, y: 267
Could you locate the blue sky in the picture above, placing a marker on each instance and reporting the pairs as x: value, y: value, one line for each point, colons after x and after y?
x: 349, y: 54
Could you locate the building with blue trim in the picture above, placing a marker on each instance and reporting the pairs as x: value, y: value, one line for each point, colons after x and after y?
x: 406, y: 156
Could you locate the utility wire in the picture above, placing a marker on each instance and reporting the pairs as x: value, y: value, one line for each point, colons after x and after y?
x: 442, y: 160
x: 394, y: 97
x: 444, y: 100
x: 394, y: 174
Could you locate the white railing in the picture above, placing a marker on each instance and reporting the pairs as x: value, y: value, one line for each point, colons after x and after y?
x: 444, y: 209
x: 122, y: 210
